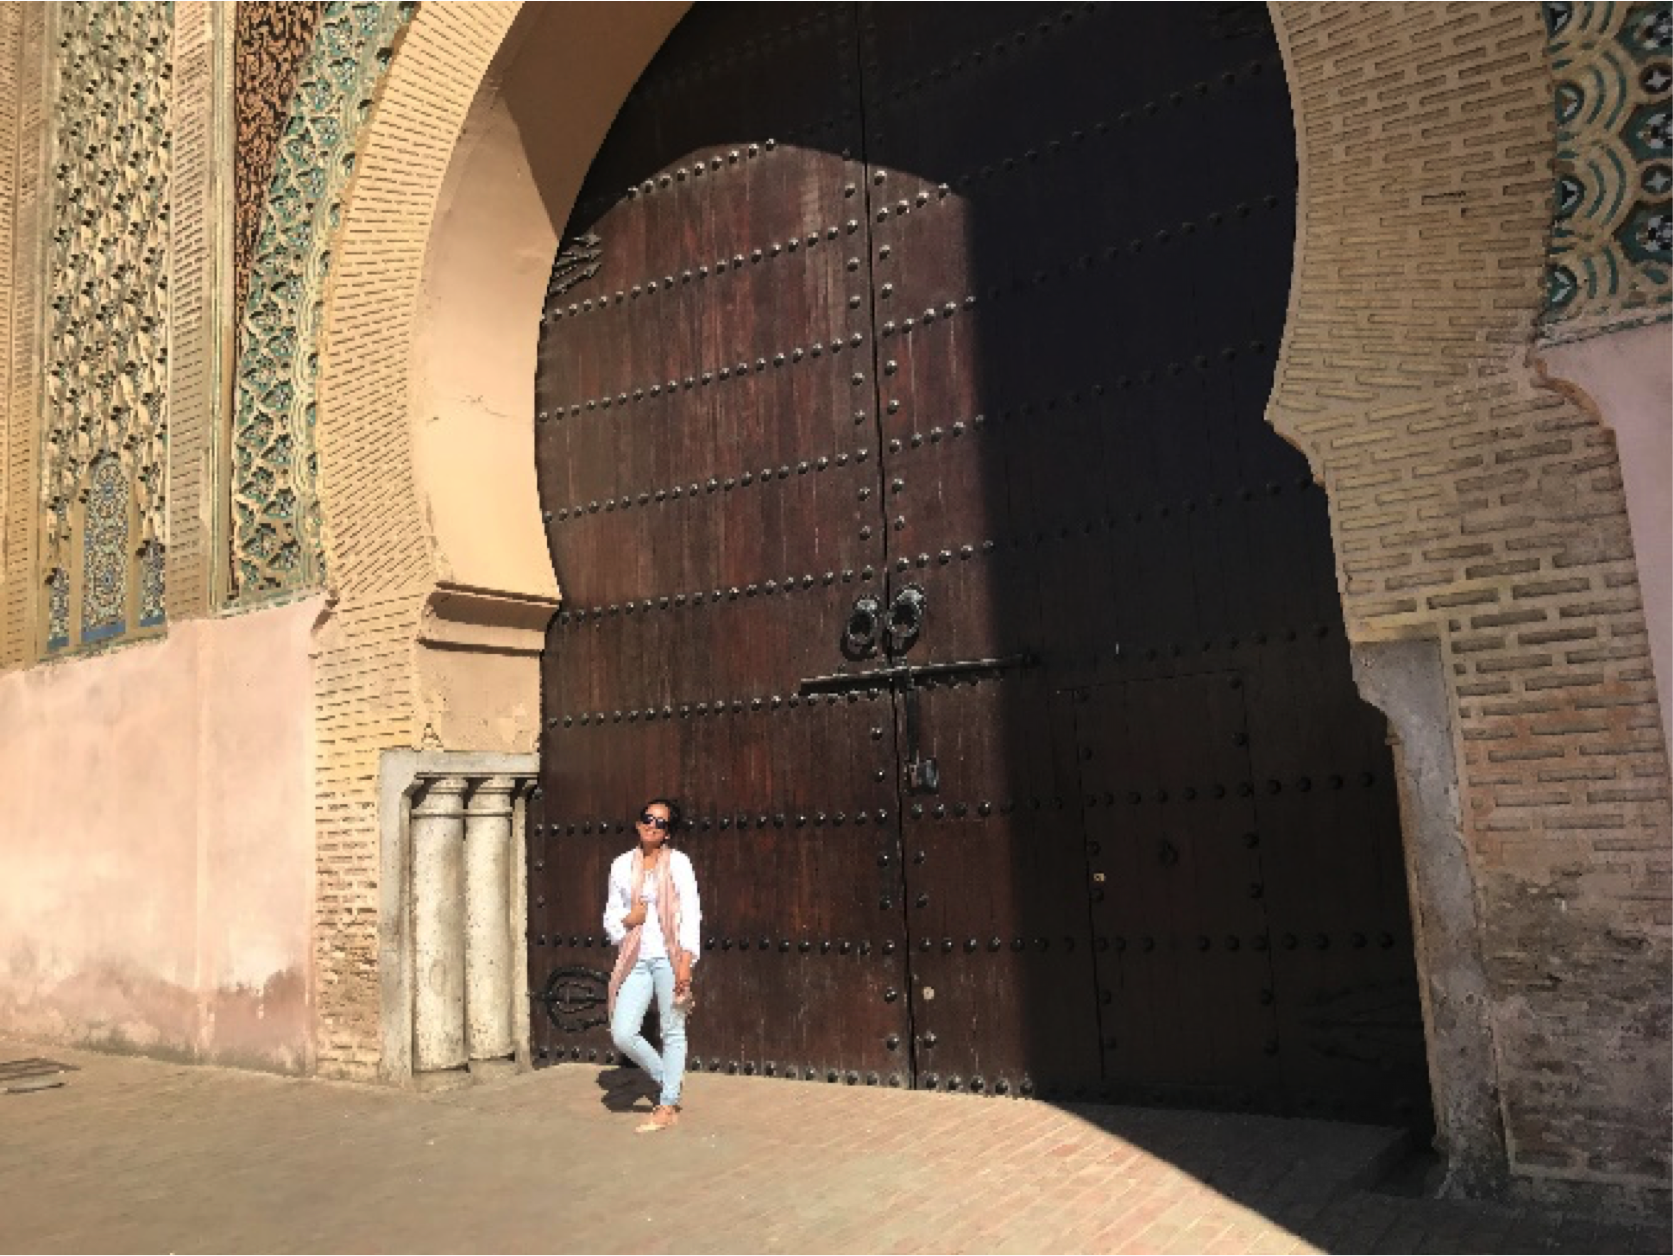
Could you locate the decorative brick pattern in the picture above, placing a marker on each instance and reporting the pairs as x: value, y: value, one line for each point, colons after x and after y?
x: 1611, y: 260
x: 11, y: 21
x: 18, y: 612
x: 377, y: 547
x: 1471, y: 505
x: 755, y: 1164
x: 198, y: 314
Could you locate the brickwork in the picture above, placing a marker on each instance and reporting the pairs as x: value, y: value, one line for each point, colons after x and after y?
x: 377, y: 548
x: 198, y: 312
x: 11, y: 20
x: 1471, y: 505
x: 18, y: 540
x: 137, y: 1155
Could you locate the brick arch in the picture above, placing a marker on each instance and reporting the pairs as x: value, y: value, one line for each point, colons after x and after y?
x: 1480, y: 531
x: 429, y: 335
x: 1487, y: 577
x: 451, y: 226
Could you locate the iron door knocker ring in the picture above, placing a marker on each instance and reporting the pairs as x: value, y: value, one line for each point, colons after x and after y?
x: 906, y: 618
x: 859, y: 635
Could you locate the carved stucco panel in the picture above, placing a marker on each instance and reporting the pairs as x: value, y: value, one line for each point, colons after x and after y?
x: 105, y: 420
x: 276, y: 524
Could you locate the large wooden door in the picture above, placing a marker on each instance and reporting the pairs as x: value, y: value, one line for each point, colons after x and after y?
x: 902, y: 446
x: 708, y: 466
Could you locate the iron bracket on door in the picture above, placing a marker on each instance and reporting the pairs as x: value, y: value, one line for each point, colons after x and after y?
x: 923, y: 775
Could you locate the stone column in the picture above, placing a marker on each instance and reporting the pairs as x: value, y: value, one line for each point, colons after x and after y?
x: 488, y: 972
x: 1407, y: 682
x: 438, y: 926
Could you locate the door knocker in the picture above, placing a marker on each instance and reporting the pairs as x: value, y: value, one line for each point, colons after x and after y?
x: 906, y: 618
x: 859, y: 634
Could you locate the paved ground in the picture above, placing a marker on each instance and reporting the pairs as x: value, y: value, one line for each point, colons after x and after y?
x: 132, y: 1155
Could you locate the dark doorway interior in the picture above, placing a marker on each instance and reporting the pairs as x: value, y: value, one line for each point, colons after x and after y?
x: 902, y: 444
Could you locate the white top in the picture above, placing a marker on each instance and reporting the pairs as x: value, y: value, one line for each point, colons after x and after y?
x: 618, y: 902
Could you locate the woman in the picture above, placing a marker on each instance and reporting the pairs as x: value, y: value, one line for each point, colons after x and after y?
x: 652, y: 913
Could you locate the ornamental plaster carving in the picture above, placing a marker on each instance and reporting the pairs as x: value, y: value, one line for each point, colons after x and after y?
x: 105, y: 425
x: 272, y: 40
x: 1611, y: 255
x: 276, y: 526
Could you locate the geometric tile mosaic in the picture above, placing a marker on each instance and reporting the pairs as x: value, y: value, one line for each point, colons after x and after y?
x: 1611, y: 253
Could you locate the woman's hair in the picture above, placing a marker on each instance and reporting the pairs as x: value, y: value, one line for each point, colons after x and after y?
x: 673, y: 812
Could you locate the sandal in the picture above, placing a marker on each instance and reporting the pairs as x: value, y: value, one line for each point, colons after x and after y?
x: 662, y: 1117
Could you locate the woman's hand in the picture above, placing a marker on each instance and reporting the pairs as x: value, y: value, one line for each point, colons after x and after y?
x: 634, y: 918
x: 682, y: 974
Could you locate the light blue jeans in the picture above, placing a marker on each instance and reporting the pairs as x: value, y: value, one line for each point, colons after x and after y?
x: 633, y: 1000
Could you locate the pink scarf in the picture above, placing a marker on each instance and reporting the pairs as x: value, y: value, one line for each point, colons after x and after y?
x: 667, y: 914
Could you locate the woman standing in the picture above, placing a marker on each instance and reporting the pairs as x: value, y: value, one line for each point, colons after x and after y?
x: 652, y: 913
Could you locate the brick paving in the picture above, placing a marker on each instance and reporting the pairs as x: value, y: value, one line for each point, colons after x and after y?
x: 137, y: 1155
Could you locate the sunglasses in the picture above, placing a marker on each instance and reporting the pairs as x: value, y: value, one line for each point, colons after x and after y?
x: 656, y: 822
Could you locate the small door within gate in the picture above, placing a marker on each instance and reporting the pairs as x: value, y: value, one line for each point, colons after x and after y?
x: 902, y: 450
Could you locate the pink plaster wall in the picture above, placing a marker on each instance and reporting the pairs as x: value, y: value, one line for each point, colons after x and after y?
x: 1627, y: 376
x: 156, y: 844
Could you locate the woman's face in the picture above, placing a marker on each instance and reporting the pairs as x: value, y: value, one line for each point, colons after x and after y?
x: 653, y: 825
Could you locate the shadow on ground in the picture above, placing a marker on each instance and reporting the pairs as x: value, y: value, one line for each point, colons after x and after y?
x: 136, y: 1155
x: 626, y: 1089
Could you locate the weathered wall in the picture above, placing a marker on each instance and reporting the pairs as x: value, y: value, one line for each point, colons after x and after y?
x: 1604, y: 334
x: 1475, y: 507
x: 158, y: 844
x: 155, y: 834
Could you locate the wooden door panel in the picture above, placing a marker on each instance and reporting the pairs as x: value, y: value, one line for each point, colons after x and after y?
x: 803, y: 624
x: 708, y: 469
x: 1178, y: 899
x: 795, y: 369
x: 1001, y: 961
x: 730, y: 757
x: 1341, y: 933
